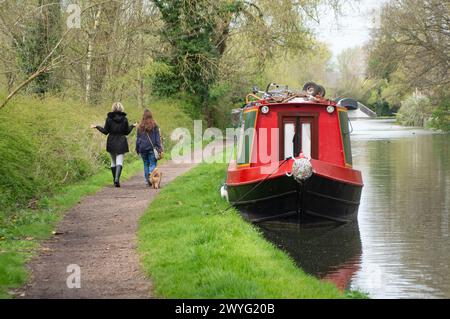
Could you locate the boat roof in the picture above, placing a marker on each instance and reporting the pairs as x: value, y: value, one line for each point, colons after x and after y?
x: 297, y: 98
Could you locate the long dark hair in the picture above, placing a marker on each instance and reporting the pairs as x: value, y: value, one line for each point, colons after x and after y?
x: 148, y: 123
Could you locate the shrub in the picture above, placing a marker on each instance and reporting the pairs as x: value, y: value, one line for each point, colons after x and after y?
x: 17, y: 156
x: 415, y: 110
x: 441, y: 117
x: 44, y: 144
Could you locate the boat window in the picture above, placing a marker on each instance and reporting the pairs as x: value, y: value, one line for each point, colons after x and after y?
x: 289, y: 134
x: 299, y: 135
x: 247, y: 136
x: 345, y: 132
x: 306, y: 139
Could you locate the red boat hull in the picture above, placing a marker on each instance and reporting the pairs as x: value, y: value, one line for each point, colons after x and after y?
x: 331, y: 193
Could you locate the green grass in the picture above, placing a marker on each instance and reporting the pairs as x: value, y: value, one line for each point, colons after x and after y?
x: 192, y: 250
x: 20, y: 235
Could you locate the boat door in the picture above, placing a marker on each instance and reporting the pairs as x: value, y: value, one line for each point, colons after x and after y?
x: 299, y: 134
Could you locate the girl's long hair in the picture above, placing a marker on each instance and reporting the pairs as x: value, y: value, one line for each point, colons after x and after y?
x: 148, y: 122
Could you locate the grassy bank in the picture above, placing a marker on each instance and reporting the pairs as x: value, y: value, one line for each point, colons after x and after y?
x: 47, y: 144
x: 49, y: 160
x: 192, y: 250
x: 20, y: 235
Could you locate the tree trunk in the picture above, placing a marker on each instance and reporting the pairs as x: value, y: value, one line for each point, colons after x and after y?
x: 138, y: 8
x: 140, y: 77
x: 88, y: 79
x: 23, y: 84
x: 140, y: 89
x: 10, y: 81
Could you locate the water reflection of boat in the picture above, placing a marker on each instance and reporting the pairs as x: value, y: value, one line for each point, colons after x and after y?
x: 327, y: 250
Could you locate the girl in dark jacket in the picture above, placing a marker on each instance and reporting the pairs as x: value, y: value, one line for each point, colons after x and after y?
x: 148, y: 138
x: 116, y: 127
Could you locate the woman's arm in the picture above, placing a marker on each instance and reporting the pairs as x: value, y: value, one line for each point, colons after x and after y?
x: 158, y: 140
x: 104, y: 130
x: 138, y: 141
x: 128, y: 127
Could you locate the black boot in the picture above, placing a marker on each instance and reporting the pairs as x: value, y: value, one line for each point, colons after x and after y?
x: 113, y: 171
x: 117, y: 178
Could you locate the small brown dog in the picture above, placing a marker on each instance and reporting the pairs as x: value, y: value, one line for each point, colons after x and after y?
x: 155, y: 178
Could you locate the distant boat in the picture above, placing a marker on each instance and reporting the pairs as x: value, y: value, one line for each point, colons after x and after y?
x: 312, y: 174
x: 356, y: 110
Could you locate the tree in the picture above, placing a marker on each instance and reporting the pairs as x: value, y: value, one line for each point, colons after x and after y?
x: 208, y: 40
x: 411, y: 53
x: 33, y: 38
x: 39, y: 38
x: 413, y: 45
x: 110, y: 51
x: 296, y: 68
x: 204, y: 48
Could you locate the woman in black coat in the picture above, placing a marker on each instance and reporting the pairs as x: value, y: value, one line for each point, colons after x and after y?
x: 117, y: 128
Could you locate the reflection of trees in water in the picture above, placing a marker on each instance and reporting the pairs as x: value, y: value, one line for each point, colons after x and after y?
x: 327, y: 250
x: 405, y: 208
x: 441, y: 150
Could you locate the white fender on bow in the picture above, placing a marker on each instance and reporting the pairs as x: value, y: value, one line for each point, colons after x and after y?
x: 224, y: 193
x: 301, y: 169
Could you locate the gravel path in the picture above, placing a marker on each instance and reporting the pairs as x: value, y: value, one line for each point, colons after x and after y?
x: 98, y: 235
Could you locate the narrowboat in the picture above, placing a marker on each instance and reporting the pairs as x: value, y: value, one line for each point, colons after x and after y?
x: 293, y: 157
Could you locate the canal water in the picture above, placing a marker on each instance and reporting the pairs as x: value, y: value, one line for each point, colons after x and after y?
x: 400, y: 245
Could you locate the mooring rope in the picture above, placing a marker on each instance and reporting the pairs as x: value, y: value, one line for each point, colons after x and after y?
x: 257, y: 185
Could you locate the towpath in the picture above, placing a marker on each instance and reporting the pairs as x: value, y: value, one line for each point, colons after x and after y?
x: 99, y: 236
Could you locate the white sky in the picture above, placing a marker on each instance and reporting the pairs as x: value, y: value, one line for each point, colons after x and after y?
x: 352, y: 28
